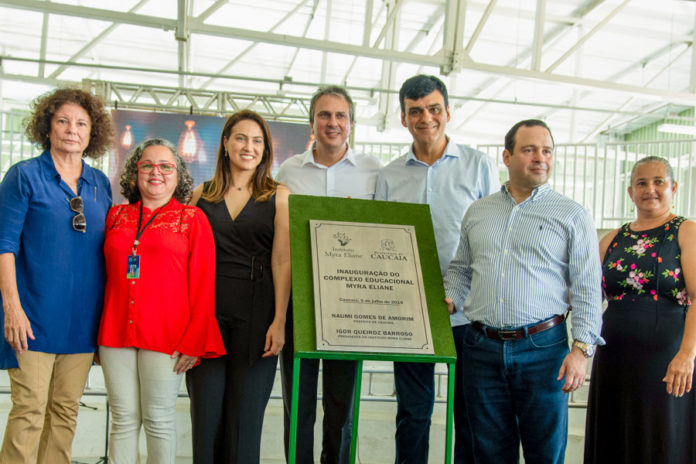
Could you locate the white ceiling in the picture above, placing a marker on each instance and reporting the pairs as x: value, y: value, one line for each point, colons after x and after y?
x: 584, y: 65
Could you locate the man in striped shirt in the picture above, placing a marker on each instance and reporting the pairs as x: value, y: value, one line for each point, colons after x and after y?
x: 523, y: 252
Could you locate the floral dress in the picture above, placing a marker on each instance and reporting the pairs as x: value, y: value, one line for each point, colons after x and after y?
x: 630, y: 417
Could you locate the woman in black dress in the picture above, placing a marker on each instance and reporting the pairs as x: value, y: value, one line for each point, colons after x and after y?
x: 248, y: 212
x: 641, y: 408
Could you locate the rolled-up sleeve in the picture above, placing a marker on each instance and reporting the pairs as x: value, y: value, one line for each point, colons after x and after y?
x: 14, y: 204
x: 585, y: 280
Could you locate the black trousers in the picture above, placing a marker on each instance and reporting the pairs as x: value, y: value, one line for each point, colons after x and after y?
x: 338, y: 386
x: 228, y: 401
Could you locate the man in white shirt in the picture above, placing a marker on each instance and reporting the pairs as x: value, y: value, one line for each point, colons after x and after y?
x: 329, y: 168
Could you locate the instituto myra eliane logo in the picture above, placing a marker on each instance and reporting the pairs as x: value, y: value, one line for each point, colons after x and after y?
x: 342, y: 238
x: 340, y: 249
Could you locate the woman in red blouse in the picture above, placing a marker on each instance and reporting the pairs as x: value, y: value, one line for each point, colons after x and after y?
x: 159, y: 309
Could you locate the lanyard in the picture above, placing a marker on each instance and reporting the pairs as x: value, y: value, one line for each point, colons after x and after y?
x: 139, y: 231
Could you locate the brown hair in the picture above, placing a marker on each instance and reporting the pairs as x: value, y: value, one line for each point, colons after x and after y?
x: 263, y: 186
x: 336, y: 91
x: 38, y: 124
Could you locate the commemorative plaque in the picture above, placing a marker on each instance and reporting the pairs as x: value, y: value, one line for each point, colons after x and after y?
x: 368, y: 288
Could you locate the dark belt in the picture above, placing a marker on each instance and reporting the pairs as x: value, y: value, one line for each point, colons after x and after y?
x: 516, y: 334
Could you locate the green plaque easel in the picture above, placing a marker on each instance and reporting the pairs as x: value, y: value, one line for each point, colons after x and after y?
x: 302, y: 209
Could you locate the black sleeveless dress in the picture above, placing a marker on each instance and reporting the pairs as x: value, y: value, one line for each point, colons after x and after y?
x: 630, y: 416
x: 244, y: 295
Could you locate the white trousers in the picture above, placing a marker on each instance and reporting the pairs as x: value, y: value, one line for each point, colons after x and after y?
x: 142, y: 388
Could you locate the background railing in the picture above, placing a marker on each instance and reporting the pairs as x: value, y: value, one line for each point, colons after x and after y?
x: 596, y: 176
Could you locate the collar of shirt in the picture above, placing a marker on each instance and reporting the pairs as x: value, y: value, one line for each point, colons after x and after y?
x: 48, y: 168
x: 308, y: 158
x: 451, y: 150
x: 537, y: 193
x: 171, y: 204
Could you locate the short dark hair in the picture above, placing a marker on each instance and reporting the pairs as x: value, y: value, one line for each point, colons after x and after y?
x: 336, y: 91
x: 129, y: 176
x: 420, y: 86
x: 653, y: 159
x: 511, y: 136
x: 38, y: 124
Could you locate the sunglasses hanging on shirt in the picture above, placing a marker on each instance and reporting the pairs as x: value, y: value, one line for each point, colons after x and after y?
x: 79, y: 222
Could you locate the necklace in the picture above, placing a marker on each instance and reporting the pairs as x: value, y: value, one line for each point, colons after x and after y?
x: 239, y: 189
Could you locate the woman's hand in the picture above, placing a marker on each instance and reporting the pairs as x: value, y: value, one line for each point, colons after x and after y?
x: 17, y: 327
x: 275, y: 338
x: 184, y: 363
x: 680, y: 373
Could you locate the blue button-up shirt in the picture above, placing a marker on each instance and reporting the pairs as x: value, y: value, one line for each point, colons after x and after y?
x: 461, y: 176
x: 353, y: 176
x: 60, y: 271
x: 518, y: 264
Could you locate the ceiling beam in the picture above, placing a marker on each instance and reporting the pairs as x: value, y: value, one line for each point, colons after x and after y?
x: 90, y: 44
x: 479, y: 27
x: 554, y: 34
x: 435, y: 60
x: 674, y: 96
x: 211, y: 10
x: 99, y: 14
x: 385, y: 5
x: 44, y: 40
x: 641, y: 63
x: 367, y: 22
x: 249, y: 48
x: 391, y: 37
x: 183, y: 36
x: 453, y: 37
x: 327, y: 33
x: 587, y: 36
x: 311, y: 17
x: 601, y: 126
x: 538, y: 43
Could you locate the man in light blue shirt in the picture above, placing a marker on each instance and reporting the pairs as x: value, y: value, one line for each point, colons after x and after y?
x: 525, y: 252
x: 449, y: 178
x: 330, y: 168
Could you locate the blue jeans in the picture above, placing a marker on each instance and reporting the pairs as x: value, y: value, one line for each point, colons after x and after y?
x: 512, y: 395
x: 415, y: 396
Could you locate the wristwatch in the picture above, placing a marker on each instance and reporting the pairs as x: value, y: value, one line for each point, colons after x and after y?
x: 587, y: 350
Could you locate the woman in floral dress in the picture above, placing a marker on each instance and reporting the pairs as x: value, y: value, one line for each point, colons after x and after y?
x: 641, y: 408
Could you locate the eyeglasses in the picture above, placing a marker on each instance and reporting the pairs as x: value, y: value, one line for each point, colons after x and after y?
x: 148, y: 166
x: 79, y: 222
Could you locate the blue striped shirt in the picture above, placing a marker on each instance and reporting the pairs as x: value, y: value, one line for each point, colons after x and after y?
x: 461, y: 176
x: 518, y: 264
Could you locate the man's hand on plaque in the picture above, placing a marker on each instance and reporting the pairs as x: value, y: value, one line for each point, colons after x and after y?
x: 450, y: 305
